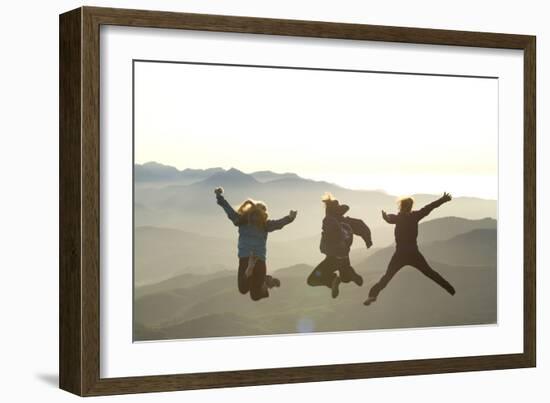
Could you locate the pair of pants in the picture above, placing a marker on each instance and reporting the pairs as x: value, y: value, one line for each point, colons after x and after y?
x: 255, y: 284
x: 409, y: 258
x: 324, y: 273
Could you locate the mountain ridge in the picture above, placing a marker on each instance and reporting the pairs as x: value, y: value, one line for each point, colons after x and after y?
x: 192, y: 206
x: 262, y: 176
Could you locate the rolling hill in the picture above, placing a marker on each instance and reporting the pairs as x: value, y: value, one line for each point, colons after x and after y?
x: 475, y: 248
x: 162, y: 253
x: 212, y: 306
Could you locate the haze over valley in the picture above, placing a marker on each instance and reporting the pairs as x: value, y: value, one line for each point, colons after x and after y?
x: 185, y: 258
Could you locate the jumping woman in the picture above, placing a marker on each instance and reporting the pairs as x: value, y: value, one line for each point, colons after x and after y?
x: 336, y: 241
x: 406, y: 247
x: 253, y: 226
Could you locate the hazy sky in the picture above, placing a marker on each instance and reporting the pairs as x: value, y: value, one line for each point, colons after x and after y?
x: 400, y: 133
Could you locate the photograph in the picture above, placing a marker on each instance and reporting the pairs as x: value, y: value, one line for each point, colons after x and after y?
x: 283, y: 200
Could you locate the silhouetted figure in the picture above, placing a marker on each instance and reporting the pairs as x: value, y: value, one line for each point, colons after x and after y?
x: 406, y: 247
x: 336, y: 240
x: 251, y: 219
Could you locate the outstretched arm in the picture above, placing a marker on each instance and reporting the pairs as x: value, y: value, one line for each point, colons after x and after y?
x: 389, y: 218
x: 230, y: 211
x: 428, y: 208
x: 273, y: 225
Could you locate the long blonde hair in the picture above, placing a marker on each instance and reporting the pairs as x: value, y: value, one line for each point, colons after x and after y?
x: 255, y: 210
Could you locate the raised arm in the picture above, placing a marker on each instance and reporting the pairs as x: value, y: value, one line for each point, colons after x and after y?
x: 230, y: 211
x: 428, y: 208
x: 273, y: 225
x: 389, y: 218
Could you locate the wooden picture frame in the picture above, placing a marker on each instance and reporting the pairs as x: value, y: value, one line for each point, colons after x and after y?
x: 79, y: 279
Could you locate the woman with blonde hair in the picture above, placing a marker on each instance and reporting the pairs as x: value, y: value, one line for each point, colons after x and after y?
x: 406, y: 247
x: 336, y: 240
x: 253, y: 224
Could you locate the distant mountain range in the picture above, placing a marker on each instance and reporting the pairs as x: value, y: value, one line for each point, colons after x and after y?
x: 184, y: 199
x: 209, y: 305
x: 154, y: 172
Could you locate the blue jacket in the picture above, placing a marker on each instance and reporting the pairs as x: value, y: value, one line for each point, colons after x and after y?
x: 251, y: 238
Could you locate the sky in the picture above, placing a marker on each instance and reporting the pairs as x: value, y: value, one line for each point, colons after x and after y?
x: 402, y: 134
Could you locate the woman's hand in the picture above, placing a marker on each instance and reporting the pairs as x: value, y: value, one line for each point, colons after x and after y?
x: 218, y: 191
x: 292, y: 214
x: 447, y: 197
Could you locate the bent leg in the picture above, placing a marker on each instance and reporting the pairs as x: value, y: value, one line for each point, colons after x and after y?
x: 348, y: 273
x: 323, y: 274
x: 421, y: 264
x: 396, y: 263
x: 258, y: 287
x: 242, y: 280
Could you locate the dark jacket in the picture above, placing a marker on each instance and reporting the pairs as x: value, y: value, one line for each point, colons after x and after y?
x: 406, y: 225
x: 335, y: 238
x: 359, y: 228
x: 337, y: 235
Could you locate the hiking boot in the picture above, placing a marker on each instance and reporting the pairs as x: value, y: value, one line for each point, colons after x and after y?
x: 369, y: 301
x: 271, y: 282
x: 335, y: 286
